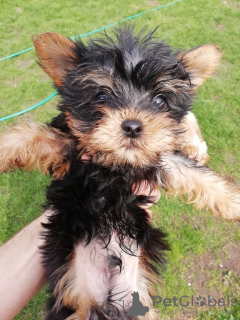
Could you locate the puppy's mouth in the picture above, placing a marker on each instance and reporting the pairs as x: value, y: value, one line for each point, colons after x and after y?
x: 131, y: 144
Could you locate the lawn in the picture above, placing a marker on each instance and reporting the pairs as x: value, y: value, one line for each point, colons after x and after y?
x: 205, y: 256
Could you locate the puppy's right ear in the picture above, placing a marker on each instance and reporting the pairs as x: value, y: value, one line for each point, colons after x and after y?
x: 56, y: 55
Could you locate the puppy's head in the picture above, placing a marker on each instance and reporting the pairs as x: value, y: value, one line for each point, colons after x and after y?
x: 123, y: 99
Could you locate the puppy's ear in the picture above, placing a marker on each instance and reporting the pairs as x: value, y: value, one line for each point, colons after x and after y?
x: 200, y: 62
x: 56, y: 55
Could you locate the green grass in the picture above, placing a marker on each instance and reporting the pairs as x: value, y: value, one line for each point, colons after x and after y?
x: 200, y: 243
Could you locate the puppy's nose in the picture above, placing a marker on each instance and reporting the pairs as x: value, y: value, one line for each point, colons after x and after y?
x: 132, y: 128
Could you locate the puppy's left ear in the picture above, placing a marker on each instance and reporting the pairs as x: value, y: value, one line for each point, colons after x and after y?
x: 200, y: 63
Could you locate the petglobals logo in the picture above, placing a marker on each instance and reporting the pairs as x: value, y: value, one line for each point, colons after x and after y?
x: 137, y: 308
x: 187, y: 301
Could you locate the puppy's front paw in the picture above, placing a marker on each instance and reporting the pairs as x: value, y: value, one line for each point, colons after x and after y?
x: 196, y: 149
x: 191, y: 140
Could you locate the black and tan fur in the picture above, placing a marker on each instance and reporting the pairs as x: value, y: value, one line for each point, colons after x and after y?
x: 126, y: 103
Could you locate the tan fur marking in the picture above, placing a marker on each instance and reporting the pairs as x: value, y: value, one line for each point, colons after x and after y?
x: 201, y: 62
x: 54, y: 53
x: 175, y: 85
x: 116, y: 149
x: 146, y: 282
x: 202, y: 187
x: 33, y: 146
x: 100, y: 77
x: 68, y: 294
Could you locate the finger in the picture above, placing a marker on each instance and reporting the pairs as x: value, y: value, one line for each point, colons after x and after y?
x: 149, y: 215
x: 155, y: 195
x: 143, y: 188
x: 86, y: 157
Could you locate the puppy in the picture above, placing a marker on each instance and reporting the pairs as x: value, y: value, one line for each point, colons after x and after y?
x: 124, y: 102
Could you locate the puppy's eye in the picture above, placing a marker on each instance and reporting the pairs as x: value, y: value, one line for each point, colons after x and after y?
x: 101, y: 96
x: 159, y: 100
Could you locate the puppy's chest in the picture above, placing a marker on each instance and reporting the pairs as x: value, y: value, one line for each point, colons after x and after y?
x: 93, y: 200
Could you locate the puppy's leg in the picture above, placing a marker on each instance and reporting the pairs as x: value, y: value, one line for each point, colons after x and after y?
x: 201, y: 185
x: 34, y: 146
x: 191, y: 141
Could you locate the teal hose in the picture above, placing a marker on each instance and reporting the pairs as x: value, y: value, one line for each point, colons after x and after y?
x: 30, y: 108
x: 16, y: 54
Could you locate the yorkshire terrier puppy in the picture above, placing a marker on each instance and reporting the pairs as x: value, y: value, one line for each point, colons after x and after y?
x: 126, y: 104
